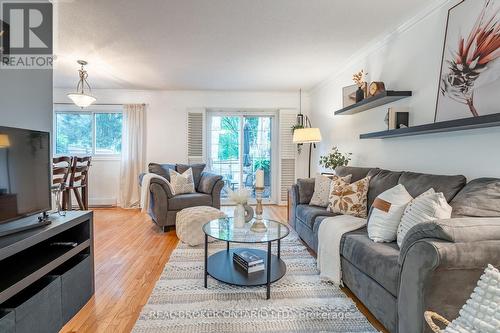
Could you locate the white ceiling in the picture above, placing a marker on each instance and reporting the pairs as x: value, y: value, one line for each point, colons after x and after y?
x: 277, y: 45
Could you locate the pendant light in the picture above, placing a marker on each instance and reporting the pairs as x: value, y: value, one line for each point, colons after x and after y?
x: 81, y: 97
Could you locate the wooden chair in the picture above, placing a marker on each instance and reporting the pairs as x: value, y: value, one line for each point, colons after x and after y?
x: 78, y: 182
x: 61, y: 167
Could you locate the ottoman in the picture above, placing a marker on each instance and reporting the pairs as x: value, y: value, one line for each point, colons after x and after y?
x: 190, y: 221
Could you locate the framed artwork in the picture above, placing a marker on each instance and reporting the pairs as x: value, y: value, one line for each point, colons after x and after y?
x: 470, y: 69
x: 349, y: 94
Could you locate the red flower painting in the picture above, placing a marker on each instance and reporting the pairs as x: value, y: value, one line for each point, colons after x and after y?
x: 472, y: 57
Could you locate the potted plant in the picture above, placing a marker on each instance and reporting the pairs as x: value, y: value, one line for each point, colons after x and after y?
x: 334, y: 159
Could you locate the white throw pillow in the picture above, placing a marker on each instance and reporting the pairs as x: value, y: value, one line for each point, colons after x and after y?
x: 427, y: 207
x: 322, y: 187
x: 182, y: 183
x: 385, y: 214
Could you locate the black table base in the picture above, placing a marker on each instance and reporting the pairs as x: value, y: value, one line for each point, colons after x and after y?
x: 221, y: 267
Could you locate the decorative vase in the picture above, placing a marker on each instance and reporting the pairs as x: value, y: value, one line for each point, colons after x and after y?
x: 239, y: 216
x: 248, y: 213
x: 360, y: 94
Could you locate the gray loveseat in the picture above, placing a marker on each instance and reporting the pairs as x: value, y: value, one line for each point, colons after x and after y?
x: 164, y: 206
x: 439, y: 263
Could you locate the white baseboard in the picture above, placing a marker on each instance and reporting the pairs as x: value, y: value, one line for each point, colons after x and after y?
x: 102, y: 202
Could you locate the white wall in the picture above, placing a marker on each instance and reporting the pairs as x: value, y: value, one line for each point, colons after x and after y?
x: 26, y: 102
x: 409, y: 59
x: 166, y: 137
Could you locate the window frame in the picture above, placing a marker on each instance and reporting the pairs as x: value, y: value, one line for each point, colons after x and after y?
x: 93, y: 112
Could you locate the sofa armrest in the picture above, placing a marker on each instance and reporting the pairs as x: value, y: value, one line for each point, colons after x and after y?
x: 456, y: 230
x: 216, y: 193
x: 159, y: 187
x: 207, y: 182
x: 294, y: 201
x: 440, y: 275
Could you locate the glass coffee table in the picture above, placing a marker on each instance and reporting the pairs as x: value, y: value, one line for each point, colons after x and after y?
x: 220, y: 265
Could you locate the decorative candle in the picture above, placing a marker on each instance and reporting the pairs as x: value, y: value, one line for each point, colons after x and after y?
x: 259, y: 178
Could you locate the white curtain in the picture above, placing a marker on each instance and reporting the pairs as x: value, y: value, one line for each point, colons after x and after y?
x: 133, y: 151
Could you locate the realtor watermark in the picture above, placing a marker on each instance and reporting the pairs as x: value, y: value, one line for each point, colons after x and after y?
x: 26, y: 35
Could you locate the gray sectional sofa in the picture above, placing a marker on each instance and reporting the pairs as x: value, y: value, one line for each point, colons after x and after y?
x: 164, y: 206
x: 439, y: 263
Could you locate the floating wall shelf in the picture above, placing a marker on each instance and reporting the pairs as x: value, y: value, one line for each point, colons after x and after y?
x: 443, y: 126
x: 368, y: 103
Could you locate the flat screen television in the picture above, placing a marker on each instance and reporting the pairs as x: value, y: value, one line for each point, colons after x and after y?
x: 25, y: 173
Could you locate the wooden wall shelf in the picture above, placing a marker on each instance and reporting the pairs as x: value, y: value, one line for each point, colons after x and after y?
x: 443, y: 126
x: 368, y: 103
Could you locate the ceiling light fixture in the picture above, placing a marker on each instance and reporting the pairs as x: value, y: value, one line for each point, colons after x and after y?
x: 80, y: 97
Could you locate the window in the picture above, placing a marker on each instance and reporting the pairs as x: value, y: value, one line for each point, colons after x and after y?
x: 88, y: 133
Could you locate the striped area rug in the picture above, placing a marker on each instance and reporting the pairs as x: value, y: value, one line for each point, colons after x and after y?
x: 300, y: 301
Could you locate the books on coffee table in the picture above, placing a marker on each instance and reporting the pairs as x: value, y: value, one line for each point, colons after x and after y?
x: 248, y: 260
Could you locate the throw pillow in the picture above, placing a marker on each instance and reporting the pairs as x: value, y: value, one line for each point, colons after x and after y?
x: 350, y: 199
x: 322, y: 188
x: 182, y: 183
x: 386, y: 212
x: 427, y: 207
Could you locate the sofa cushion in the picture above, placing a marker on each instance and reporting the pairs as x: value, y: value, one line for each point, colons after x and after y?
x: 479, y: 198
x: 182, y: 201
x: 306, y: 189
x: 308, y: 214
x: 197, y: 170
x: 418, y: 183
x: 357, y: 173
x: 161, y: 169
x: 377, y: 260
x: 381, y: 181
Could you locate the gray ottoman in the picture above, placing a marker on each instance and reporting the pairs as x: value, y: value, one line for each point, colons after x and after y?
x: 190, y: 221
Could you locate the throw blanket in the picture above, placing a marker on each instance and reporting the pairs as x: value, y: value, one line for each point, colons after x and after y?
x: 145, y: 193
x: 330, y: 233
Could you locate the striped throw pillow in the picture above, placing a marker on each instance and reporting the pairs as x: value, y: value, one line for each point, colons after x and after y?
x: 427, y: 207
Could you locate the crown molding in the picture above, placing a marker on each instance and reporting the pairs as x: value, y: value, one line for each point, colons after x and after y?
x: 379, y: 42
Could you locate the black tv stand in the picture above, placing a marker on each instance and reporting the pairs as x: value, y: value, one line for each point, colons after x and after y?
x: 47, y: 273
x: 26, y: 223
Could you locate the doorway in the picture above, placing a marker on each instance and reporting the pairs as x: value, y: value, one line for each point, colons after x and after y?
x: 239, y: 143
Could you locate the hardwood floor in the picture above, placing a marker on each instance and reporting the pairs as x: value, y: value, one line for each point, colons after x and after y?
x: 130, y: 253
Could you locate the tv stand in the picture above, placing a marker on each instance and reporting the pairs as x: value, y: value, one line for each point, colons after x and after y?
x: 47, y: 273
x: 26, y: 223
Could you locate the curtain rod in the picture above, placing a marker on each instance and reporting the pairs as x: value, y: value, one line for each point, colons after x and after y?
x: 116, y: 104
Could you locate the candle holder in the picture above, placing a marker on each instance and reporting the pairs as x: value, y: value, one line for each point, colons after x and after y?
x: 258, y: 225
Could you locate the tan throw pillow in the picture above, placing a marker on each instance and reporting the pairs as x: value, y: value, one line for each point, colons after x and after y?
x: 182, y: 183
x: 350, y: 199
x: 323, y: 186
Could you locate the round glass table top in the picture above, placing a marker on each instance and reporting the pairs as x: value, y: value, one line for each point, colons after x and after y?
x: 224, y: 229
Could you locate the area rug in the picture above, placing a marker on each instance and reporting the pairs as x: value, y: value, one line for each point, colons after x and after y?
x: 300, y: 301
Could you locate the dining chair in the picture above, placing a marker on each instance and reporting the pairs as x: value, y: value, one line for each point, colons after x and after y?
x: 78, y: 182
x: 61, y: 168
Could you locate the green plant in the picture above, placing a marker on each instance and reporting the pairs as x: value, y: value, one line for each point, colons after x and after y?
x: 335, y: 159
x: 263, y: 164
x: 294, y: 127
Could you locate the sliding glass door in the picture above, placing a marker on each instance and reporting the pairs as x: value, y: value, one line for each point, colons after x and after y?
x: 239, y: 144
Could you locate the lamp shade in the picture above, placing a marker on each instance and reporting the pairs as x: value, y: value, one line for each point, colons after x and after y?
x: 82, y: 100
x: 306, y: 135
x: 4, y: 141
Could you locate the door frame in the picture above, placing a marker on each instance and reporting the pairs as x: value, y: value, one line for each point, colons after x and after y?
x: 242, y: 112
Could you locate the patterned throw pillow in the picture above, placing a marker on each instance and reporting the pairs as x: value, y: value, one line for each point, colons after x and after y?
x: 322, y: 188
x: 350, y: 199
x: 182, y: 183
x: 427, y: 207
